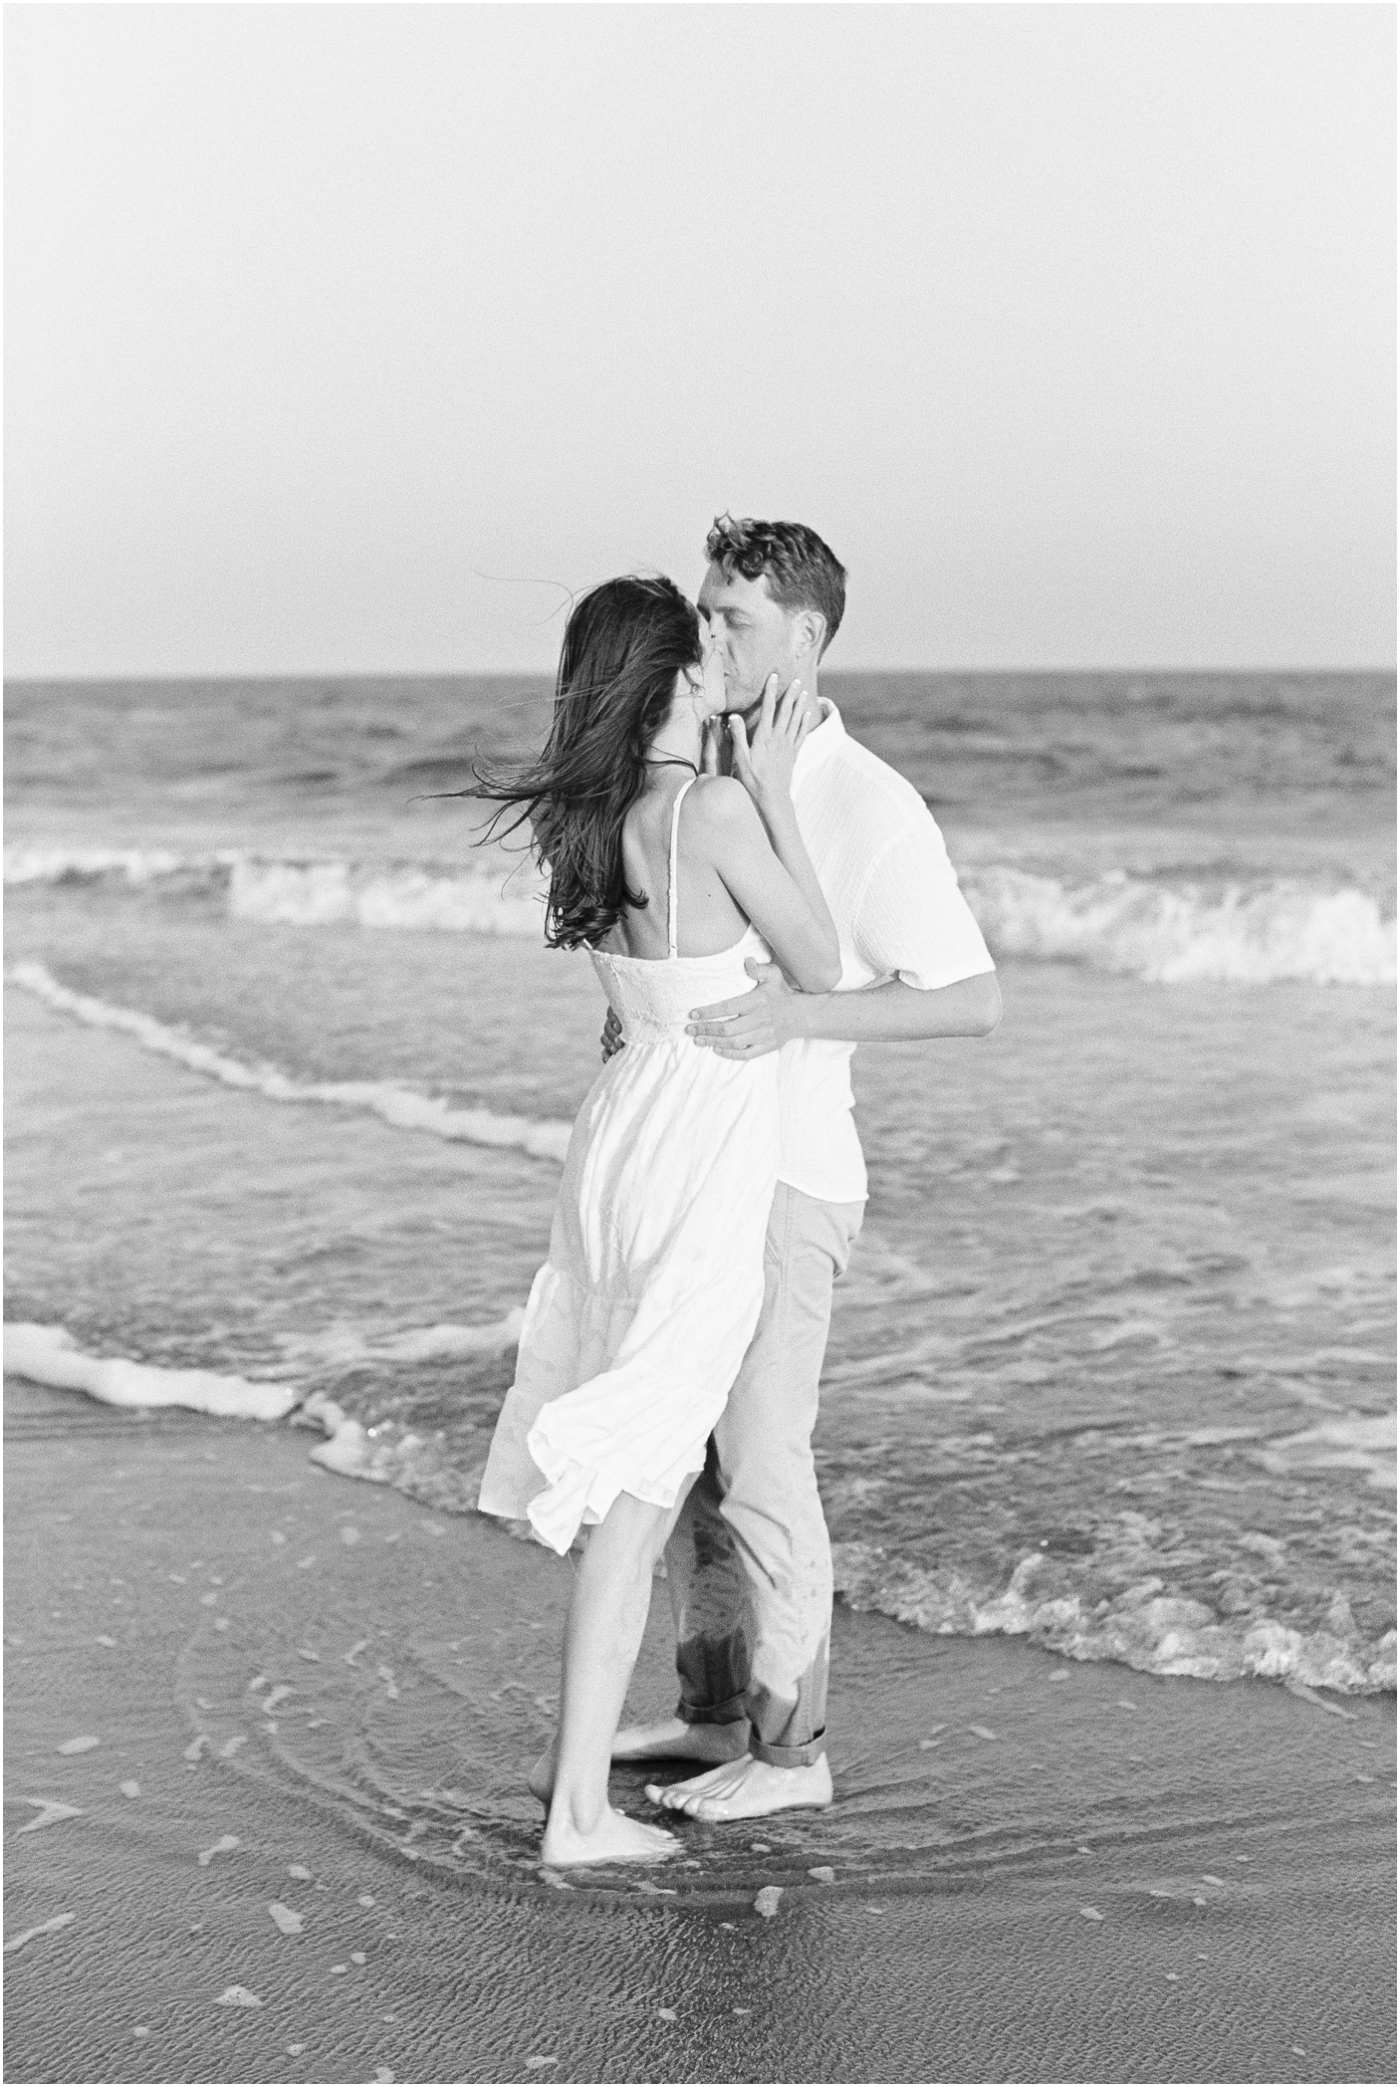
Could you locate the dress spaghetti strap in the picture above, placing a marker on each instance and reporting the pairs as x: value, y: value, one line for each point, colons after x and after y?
x: 671, y: 909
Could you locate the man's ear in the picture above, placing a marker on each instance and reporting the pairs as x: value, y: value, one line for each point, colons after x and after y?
x: 810, y: 631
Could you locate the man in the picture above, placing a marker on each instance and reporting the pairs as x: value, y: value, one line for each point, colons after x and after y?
x: 749, y: 1562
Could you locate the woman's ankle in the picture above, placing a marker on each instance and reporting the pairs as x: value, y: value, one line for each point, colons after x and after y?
x: 576, y: 1809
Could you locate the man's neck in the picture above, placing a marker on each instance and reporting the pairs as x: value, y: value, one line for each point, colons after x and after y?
x: 811, y: 697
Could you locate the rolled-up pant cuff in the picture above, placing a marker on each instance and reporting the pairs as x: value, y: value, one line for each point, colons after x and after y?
x: 789, y: 1756
x: 728, y: 1713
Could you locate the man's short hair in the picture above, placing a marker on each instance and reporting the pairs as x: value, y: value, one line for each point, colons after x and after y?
x: 801, y: 571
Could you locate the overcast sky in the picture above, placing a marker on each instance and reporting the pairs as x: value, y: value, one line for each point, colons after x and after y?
x: 335, y: 334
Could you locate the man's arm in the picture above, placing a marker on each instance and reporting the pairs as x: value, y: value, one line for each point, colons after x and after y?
x: 914, y: 930
x: 773, y: 1014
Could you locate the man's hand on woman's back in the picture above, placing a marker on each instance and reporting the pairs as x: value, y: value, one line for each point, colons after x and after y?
x: 611, y: 1038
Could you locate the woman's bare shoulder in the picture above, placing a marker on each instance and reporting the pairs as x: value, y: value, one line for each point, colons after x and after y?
x: 720, y: 802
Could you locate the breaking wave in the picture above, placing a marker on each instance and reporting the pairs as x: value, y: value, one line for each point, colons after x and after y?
x: 393, y: 895
x: 1170, y: 930
x: 403, y: 1107
x: 1172, y: 933
x: 50, y: 1355
x: 1146, y: 1626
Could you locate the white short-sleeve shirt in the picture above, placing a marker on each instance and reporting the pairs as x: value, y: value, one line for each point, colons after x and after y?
x: 894, y: 896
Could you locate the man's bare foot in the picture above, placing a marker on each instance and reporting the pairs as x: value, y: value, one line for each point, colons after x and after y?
x: 747, y: 1789
x: 669, y: 1739
x: 615, y: 1838
x: 672, y: 1739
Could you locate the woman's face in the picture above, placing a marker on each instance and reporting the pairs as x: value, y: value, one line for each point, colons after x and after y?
x: 710, y: 698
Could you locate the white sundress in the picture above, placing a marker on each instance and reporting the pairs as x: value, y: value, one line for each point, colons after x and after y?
x: 638, y: 1321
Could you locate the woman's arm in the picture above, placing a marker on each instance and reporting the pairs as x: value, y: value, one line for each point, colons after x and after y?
x: 767, y: 872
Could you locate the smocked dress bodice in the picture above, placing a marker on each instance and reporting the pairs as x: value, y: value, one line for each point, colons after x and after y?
x: 654, y: 997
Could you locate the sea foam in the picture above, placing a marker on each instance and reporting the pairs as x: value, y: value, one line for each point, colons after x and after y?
x: 1175, y: 933
x: 35, y: 865
x: 1146, y: 1627
x: 50, y: 1355
x: 1170, y: 930
x: 400, y: 1106
x: 321, y: 894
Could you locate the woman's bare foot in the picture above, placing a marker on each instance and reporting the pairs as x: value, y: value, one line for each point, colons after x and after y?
x: 669, y: 1739
x: 615, y: 1838
x: 747, y: 1789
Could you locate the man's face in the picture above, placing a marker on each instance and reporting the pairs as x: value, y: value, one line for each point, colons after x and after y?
x: 752, y: 634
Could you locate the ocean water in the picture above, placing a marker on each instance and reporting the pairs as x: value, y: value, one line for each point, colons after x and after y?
x: 1114, y: 1363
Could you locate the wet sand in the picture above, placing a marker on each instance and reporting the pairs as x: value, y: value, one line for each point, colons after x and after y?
x: 1041, y: 1872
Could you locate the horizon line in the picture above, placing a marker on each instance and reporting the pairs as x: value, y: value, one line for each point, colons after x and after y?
x: 53, y: 680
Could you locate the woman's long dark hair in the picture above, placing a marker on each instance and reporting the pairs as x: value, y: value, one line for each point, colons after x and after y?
x: 624, y: 645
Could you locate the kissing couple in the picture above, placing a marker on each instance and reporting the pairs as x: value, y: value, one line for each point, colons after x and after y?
x: 758, y: 893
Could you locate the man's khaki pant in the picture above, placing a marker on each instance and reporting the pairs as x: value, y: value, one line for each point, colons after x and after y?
x: 749, y: 1560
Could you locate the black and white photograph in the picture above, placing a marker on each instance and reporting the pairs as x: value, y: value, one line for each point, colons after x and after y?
x: 700, y: 954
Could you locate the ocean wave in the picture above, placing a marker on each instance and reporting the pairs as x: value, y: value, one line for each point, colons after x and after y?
x: 347, y: 1347
x: 404, y: 1108
x: 1145, y: 1627
x: 1179, y: 932
x: 33, y: 865
x: 50, y: 1355
x: 401, y: 895
x: 1170, y: 930
x: 1145, y: 1624
x: 1355, y: 1442
x: 506, y: 898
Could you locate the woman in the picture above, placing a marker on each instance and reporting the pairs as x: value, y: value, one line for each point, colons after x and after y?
x: 638, y: 1322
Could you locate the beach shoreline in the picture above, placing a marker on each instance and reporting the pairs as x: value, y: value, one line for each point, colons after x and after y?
x: 1112, y: 1370
x: 979, y: 1958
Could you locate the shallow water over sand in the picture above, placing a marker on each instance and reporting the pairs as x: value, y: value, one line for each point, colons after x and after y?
x: 1113, y: 1365
x: 1110, y: 1366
